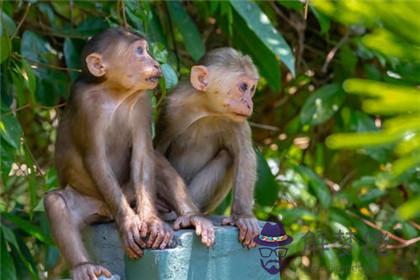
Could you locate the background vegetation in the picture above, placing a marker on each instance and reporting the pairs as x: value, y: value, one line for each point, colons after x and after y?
x: 336, y: 122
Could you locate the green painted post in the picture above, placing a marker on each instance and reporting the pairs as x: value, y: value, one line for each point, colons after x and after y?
x: 191, y: 260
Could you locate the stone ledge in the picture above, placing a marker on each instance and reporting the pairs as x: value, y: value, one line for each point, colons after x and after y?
x: 188, y: 260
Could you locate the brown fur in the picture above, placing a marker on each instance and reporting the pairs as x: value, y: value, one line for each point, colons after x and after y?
x: 204, y: 134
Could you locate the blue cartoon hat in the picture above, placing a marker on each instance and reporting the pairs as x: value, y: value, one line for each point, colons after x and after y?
x: 273, y: 235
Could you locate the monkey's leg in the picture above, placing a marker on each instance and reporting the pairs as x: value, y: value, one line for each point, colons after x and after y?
x: 68, y: 212
x: 213, y: 182
x: 172, y: 189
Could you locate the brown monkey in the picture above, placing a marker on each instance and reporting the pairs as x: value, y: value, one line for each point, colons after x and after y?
x: 104, y: 153
x: 205, y: 135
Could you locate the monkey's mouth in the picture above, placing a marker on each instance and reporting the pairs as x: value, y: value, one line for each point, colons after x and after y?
x: 241, y: 115
x: 153, y: 79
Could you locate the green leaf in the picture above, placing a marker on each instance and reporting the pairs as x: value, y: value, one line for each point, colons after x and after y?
x: 370, y: 196
x: 8, y: 26
x: 5, y: 48
x: 410, y: 209
x: 8, y: 270
x: 11, y: 239
x: 266, y: 187
x: 388, y: 98
x: 402, y: 165
x: 292, y: 4
x: 170, y: 76
x: 30, y: 79
x: 7, y: 158
x: 159, y: 52
x: 18, y: 85
x: 247, y: 41
x: 331, y: 260
x: 369, y: 259
x: 391, y: 45
x: 28, y: 227
x: 92, y: 26
x: 323, y: 20
x: 290, y: 216
x: 322, y: 104
x: 10, y: 130
x: 72, y: 53
x: 317, y: 185
x: 186, y: 26
x: 34, y: 47
x: 259, y: 23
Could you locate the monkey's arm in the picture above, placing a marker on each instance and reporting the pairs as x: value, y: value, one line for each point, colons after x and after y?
x: 143, y: 172
x: 96, y: 162
x: 245, y: 166
x: 143, y: 176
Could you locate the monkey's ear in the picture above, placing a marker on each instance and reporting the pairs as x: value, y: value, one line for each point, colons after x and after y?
x: 199, y: 77
x: 95, y: 64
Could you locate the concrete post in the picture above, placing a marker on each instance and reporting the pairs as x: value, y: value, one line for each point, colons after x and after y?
x: 189, y: 260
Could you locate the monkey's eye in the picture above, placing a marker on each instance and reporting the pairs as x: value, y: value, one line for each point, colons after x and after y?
x: 243, y: 87
x: 139, y: 50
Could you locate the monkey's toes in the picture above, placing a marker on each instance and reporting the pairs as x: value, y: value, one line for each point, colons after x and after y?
x: 89, y: 271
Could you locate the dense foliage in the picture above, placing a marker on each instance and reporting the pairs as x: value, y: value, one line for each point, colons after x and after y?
x: 336, y: 121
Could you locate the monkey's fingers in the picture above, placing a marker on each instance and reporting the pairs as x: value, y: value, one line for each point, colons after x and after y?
x: 90, y: 274
x: 205, y: 238
x: 152, y: 237
x: 166, y: 240
x: 177, y: 224
x: 249, y: 236
x: 100, y: 270
x: 132, y: 249
x: 182, y: 222
x: 137, y: 238
x: 209, y: 236
x: 242, y: 230
x: 255, y: 232
x: 81, y: 272
x: 198, y: 229
x: 159, y: 237
x: 228, y: 221
x: 135, y: 246
x: 143, y: 229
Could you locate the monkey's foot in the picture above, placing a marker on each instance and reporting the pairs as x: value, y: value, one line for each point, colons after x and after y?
x: 132, y: 229
x: 89, y: 271
x: 248, y: 229
x: 203, y: 227
x: 161, y: 233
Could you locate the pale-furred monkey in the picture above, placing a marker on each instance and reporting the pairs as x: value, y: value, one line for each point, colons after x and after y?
x: 105, y: 158
x: 204, y: 134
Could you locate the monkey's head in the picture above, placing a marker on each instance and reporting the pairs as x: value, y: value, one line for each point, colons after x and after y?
x: 228, y: 79
x: 120, y: 58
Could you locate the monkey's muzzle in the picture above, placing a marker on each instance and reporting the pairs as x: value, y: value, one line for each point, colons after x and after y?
x: 154, y: 78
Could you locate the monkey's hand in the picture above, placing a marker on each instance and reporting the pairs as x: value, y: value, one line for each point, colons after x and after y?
x: 248, y: 229
x: 87, y: 270
x: 131, y: 231
x: 160, y: 232
x: 203, y: 227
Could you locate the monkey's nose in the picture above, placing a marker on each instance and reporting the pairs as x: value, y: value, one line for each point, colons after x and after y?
x: 159, y: 70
